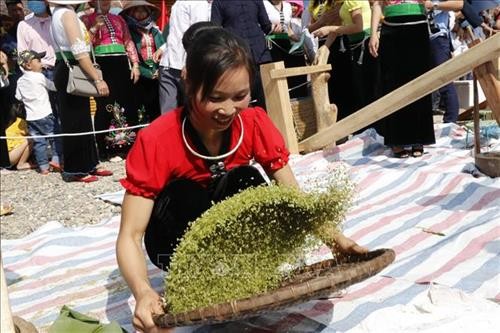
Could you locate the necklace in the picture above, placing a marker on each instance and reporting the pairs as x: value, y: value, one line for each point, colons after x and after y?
x: 212, y: 158
x: 278, y: 6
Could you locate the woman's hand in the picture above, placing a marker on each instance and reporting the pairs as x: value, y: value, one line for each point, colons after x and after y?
x: 428, y: 5
x: 325, y: 31
x: 346, y: 245
x: 340, y: 245
x: 135, y: 73
x: 102, y: 87
x: 487, y: 30
x: 276, y: 29
x: 148, y: 303
x: 99, y: 22
x: 373, y: 45
x: 4, y: 63
x: 157, y: 55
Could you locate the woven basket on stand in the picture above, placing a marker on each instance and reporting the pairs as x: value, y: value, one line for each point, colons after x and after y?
x: 304, y: 118
x: 312, y: 282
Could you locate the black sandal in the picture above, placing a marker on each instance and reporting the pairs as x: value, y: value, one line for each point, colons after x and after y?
x: 400, y: 152
x: 417, y: 150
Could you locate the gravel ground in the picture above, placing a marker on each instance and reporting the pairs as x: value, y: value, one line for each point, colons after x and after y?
x: 38, y: 199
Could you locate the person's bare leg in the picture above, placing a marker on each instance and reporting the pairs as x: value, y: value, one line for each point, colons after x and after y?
x: 17, y: 156
x: 23, y: 163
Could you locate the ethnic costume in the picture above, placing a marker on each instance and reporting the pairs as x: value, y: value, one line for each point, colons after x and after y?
x: 147, y: 40
x: 404, y: 55
x: 114, y: 51
x: 340, y: 82
x: 365, y: 68
x: 185, y: 181
x: 79, y: 152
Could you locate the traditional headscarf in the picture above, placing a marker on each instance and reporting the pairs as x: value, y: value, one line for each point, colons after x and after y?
x: 300, y: 4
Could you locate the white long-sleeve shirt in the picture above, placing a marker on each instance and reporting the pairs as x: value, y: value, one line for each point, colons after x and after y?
x: 183, y: 14
x: 32, y: 91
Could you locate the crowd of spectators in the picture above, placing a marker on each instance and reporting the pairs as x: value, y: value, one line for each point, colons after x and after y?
x: 142, y: 66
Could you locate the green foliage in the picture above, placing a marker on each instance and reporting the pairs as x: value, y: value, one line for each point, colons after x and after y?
x: 238, y: 248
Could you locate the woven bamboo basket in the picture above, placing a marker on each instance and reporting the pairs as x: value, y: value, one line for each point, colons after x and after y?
x: 304, y: 118
x: 489, y: 163
x: 23, y: 326
x: 312, y: 282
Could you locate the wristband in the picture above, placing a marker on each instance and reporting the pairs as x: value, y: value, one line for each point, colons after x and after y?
x: 98, y: 81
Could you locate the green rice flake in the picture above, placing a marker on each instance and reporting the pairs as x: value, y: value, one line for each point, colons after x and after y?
x: 238, y: 247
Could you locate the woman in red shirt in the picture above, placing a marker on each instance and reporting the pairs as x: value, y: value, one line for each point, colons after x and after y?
x: 194, y: 156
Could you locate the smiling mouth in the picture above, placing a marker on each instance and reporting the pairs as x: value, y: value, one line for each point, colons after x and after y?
x: 223, y: 121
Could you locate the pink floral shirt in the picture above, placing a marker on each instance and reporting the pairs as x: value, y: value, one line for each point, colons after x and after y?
x: 114, y: 31
x: 148, y: 45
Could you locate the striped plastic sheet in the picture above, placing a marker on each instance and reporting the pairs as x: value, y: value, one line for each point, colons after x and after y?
x: 443, y: 224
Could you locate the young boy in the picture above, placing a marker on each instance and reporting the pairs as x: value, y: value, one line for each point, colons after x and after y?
x: 32, y: 91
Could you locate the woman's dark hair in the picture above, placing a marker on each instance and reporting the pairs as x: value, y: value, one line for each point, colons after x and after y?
x: 212, y: 53
x: 16, y: 110
x: 194, y: 30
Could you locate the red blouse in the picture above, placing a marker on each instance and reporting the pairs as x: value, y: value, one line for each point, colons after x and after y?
x: 159, y: 154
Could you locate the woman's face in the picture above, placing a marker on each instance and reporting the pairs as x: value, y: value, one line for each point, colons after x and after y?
x: 16, y: 11
x: 230, y: 96
x: 105, y: 5
x: 295, y: 9
x: 139, y: 13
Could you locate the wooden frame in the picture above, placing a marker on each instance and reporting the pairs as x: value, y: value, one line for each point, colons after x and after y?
x: 478, y: 58
x: 278, y: 99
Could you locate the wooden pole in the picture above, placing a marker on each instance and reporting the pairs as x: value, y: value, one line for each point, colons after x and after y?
x: 302, y: 70
x: 407, y: 94
x: 466, y: 114
x: 486, y: 75
x: 477, y: 134
x: 326, y: 113
x: 278, y: 104
x: 6, y: 322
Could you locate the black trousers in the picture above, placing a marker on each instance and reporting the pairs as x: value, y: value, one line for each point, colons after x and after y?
x: 183, y: 201
x: 79, y: 152
x: 405, y: 55
x: 116, y: 73
x: 147, y: 95
x: 340, y: 83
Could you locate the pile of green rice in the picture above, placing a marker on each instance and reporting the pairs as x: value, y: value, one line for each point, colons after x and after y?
x: 238, y: 247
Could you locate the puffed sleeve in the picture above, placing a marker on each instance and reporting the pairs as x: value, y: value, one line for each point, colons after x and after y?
x: 128, y: 42
x: 268, y: 144
x: 145, y: 171
x: 89, y: 22
x: 76, y: 34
